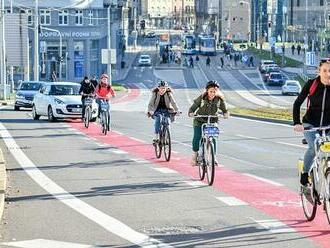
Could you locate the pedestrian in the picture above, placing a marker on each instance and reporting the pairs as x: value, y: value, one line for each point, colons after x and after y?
x: 94, y: 81
x: 54, y: 77
x: 197, y: 58
x: 208, y: 61
x: 283, y: 49
x: 298, y: 49
x: 221, y: 61
x: 251, y: 62
x: 292, y: 49
x: 191, y: 62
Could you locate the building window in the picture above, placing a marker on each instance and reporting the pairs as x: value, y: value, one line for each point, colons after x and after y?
x: 298, y: 3
x: 321, y: 2
x: 44, y: 17
x: 90, y: 17
x: 79, y: 17
x: 79, y: 59
x: 63, y: 17
x: 30, y: 16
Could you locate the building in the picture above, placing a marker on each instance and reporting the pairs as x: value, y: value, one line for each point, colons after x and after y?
x: 209, y: 16
x: 236, y: 20
x: 82, y: 28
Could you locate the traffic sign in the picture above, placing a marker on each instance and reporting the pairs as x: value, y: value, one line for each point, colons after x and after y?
x: 109, y: 56
x: 310, y: 59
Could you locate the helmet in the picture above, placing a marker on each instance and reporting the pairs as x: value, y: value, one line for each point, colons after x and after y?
x: 212, y: 83
x: 104, y: 76
x: 162, y: 83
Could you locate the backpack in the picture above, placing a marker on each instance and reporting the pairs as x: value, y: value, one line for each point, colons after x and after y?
x: 311, y: 92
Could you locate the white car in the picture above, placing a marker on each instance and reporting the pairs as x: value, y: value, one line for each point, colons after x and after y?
x: 291, y: 87
x: 59, y: 100
x: 144, y: 60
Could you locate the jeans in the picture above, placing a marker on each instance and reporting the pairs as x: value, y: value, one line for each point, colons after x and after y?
x: 197, y: 139
x: 310, y: 153
x: 83, y: 107
x: 156, y: 116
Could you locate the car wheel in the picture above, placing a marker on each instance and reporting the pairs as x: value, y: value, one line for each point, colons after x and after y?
x: 16, y: 108
x: 50, y: 114
x: 35, y: 116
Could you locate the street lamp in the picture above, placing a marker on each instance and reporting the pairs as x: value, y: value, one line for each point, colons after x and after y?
x: 36, y: 42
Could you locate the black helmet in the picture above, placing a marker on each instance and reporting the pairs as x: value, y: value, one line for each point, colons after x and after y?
x: 162, y: 83
x: 212, y: 83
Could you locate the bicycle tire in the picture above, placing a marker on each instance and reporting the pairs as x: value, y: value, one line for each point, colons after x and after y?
x: 201, y: 165
x: 327, y: 195
x: 167, y: 146
x: 210, y: 166
x: 158, y: 146
x: 309, y: 199
x: 104, y: 123
x: 87, y: 117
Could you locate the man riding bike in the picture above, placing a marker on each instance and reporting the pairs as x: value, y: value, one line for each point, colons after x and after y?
x: 208, y: 103
x: 86, y: 89
x: 162, y: 101
x: 103, y: 91
x: 318, y: 112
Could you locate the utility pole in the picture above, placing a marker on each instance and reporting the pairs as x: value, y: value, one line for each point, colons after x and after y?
x: 3, y: 51
x: 109, y: 44
x: 36, y: 42
x: 135, y: 29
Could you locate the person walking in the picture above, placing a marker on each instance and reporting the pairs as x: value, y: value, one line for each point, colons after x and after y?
x: 208, y: 61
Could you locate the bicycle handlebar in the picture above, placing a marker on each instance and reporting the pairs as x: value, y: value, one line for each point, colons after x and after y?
x: 208, y: 116
x: 311, y: 129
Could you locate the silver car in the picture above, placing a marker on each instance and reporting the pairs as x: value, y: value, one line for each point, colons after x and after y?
x: 25, y: 94
x: 291, y: 87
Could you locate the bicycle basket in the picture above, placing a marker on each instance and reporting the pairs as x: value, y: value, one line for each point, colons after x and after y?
x: 104, y: 106
x: 211, y: 131
x: 88, y: 101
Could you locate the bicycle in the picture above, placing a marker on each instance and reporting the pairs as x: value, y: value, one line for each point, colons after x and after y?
x: 317, y: 190
x: 88, y: 110
x: 164, y: 142
x: 104, y: 117
x: 206, y: 152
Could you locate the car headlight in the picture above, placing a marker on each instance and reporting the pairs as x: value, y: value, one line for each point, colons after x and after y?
x: 58, y: 101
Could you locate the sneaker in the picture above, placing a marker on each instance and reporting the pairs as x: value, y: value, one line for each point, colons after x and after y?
x: 304, y: 179
x: 194, y: 159
x: 216, y: 163
x: 156, y: 138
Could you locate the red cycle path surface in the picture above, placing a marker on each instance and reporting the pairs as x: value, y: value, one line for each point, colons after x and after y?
x: 276, y: 201
x: 130, y: 96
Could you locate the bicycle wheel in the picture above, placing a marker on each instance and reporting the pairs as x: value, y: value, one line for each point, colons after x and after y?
x: 158, y: 146
x: 87, y: 117
x: 327, y: 194
x: 209, y: 154
x: 167, y: 143
x: 308, y: 199
x: 104, y: 121
x: 201, y: 164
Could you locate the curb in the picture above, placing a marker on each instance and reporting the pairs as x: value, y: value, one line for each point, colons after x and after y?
x: 3, y: 182
x: 250, y: 117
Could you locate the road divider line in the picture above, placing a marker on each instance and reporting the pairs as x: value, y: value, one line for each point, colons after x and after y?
x: 136, y: 139
x: 117, y: 151
x: 275, y: 226
x: 107, y: 222
x: 165, y: 170
x: 195, y: 184
x: 140, y: 161
x: 231, y: 201
x: 263, y: 179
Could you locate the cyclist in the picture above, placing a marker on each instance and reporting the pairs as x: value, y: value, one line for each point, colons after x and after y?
x: 318, y: 111
x: 208, y: 103
x: 161, y: 101
x: 86, y: 89
x: 104, y: 91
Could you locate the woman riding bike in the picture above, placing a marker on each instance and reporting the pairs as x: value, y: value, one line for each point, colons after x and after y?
x: 161, y: 101
x: 318, y: 112
x: 103, y: 91
x: 209, y: 103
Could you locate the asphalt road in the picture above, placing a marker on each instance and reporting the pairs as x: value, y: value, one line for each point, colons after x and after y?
x: 68, y: 184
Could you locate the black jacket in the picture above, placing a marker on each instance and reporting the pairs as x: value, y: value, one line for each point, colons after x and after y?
x: 86, y: 88
x: 313, y: 114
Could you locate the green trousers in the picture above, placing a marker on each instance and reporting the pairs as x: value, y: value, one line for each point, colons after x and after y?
x: 197, y: 139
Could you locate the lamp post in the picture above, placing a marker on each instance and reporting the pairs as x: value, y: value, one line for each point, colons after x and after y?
x: 36, y: 42
x: 3, y: 51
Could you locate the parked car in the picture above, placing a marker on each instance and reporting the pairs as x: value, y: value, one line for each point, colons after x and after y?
x: 275, y: 78
x: 144, y: 60
x: 151, y: 35
x: 291, y: 87
x: 59, y: 100
x: 264, y: 63
x: 25, y: 94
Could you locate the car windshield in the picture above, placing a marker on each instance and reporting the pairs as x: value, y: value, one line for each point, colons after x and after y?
x: 276, y: 76
x: 30, y: 86
x: 144, y: 57
x: 64, y: 90
x: 292, y: 84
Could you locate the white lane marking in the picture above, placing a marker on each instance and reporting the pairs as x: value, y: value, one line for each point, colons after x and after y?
x: 246, y: 162
x: 118, y: 132
x: 43, y: 243
x: 195, y: 183
x: 263, y: 179
x: 107, y: 222
x: 231, y: 201
x: 3, y: 107
x: 165, y: 170
x: 85, y: 138
x: 275, y: 142
x: 275, y: 226
x: 138, y: 140
x: 140, y: 161
x: 175, y: 152
x: 116, y: 151
x: 101, y: 145
x: 262, y: 122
